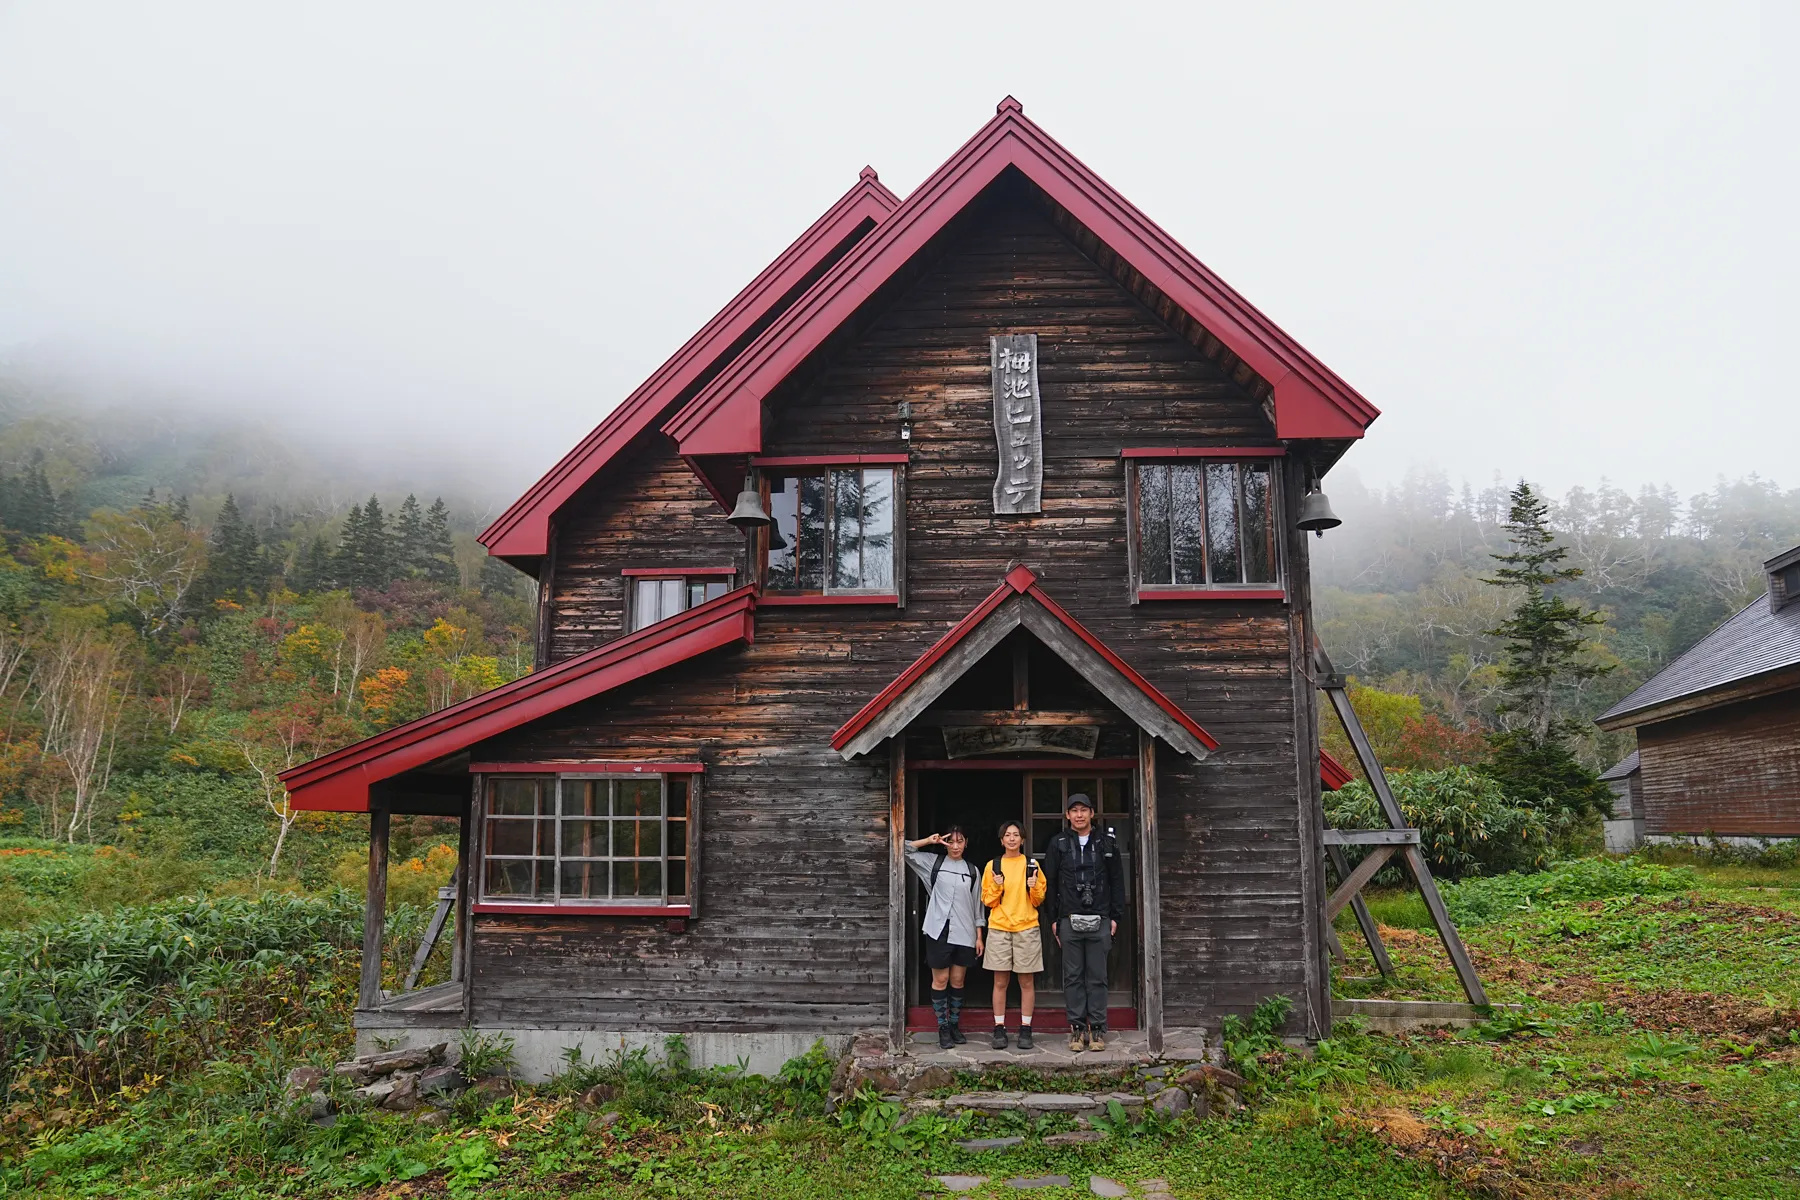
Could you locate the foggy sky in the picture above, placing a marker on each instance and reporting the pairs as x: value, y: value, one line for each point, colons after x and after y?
x: 1554, y: 240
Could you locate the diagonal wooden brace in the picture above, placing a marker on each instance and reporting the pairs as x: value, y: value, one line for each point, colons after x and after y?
x: 1365, y: 871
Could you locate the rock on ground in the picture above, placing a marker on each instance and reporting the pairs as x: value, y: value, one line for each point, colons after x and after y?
x: 1099, y: 1185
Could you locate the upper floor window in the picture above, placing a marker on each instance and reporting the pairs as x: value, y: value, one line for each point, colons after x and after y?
x: 586, y: 839
x: 1203, y: 524
x: 658, y: 597
x: 833, y: 531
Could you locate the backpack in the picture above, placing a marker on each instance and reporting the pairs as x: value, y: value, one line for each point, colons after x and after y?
x: 974, y: 876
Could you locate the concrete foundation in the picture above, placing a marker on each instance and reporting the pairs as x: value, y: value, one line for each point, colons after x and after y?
x: 541, y: 1053
x: 1624, y: 835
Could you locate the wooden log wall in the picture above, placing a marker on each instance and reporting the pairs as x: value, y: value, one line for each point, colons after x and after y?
x: 795, y: 839
x: 1732, y: 770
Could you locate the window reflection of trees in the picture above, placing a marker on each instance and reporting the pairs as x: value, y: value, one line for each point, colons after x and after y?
x: 1205, y: 524
x: 838, y: 531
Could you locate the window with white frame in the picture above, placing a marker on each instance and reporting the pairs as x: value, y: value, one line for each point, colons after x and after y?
x: 833, y: 531
x: 586, y: 839
x: 1205, y: 524
x: 657, y: 598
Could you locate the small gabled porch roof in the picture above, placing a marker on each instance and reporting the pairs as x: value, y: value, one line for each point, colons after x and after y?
x: 1018, y: 601
x: 1309, y: 399
x: 521, y: 533
x: 340, y: 781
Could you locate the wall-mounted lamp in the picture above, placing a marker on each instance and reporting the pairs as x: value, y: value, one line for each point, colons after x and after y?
x: 906, y: 420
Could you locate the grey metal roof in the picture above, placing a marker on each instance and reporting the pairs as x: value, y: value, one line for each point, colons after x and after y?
x: 1754, y: 642
x: 1625, y: 766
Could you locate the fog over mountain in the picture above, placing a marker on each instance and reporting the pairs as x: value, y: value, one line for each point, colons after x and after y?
x: 1547, y: 240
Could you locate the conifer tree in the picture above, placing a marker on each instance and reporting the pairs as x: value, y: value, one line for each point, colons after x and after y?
x: 365, y: 556
x: 344, y: 567
x: 236, y: 564
x: 437, y: 554
x: 409, y: 540
x: 313, y: 567
x: 1546, y: 640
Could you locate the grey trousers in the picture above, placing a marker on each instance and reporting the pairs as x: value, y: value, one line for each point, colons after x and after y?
x: 1084, y: 973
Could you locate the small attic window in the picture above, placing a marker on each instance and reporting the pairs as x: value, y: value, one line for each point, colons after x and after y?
x: 1784, y: 586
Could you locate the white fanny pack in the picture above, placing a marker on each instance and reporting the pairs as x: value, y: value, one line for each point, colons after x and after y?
x: 1084, y: 923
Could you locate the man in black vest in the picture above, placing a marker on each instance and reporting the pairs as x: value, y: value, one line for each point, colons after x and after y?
x: 1086, y: 900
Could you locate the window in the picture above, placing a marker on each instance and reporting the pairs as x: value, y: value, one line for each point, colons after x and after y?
x: 587, y: 839
x: 833, y: 532
x: 657, y: 598
x: 1205, y: 525
x: 1112, y: 805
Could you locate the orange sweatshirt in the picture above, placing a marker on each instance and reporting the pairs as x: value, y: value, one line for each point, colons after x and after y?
x: 1014, y: 907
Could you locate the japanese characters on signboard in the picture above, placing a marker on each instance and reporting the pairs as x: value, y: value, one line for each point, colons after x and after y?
x: 1018, y: 425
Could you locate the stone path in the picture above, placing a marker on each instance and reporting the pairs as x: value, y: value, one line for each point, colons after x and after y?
x: 1052, y: 1051
x: 1099, y: 1185
x: 1102, y: 1186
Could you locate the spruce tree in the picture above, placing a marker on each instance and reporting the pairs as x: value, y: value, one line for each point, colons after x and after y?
x: 1546, y: 637
x: 375, y: 554
x: 409, y: 540
x: 236, y: 564
x: 314, y: 570
x: 344, y: 566
x: 437, y: 555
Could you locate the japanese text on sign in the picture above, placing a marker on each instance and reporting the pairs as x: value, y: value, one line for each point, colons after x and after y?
x: 1018, y: 425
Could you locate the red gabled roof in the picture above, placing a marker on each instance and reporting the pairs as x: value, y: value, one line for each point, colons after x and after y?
x: 522, y: 531
x: 339, y: 782
x: 1310, y: 400
x: 1021, y: 580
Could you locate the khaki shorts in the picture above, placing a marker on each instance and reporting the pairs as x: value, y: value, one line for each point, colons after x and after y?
x: 1021, y: 951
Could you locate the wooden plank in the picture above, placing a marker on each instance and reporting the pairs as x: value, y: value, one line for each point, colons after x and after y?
x: 1009, y: 716
x: 473, y: 836
x: 896, y: 984
x: 375, y: 911
x: 1364, y: 919
x: 1371, y: 837
x: 1440, y: 916
x: 1150, y: 891
x: 433, y: 930
x: 1365, y: 871
x: 460, y: 932
x: 1309, y: 811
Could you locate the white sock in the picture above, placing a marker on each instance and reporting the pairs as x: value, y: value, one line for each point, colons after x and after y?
x: 1024, y: 1020
x: 999, y: 1018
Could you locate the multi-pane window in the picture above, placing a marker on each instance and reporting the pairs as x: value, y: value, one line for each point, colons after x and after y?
x: 1206, y: 524
x: 833, y: 532
x: 586, y: 839
x: 658, y: 599
x: 1111, y: 802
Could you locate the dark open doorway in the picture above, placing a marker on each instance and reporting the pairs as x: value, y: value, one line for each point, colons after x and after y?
x: 978, y: 801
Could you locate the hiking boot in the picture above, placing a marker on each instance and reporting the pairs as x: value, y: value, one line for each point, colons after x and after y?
x: 956, y: 1034
x: 1096, y: 1039
x: 1077, y: 1039
x: 1024, y: 1037
x: 998, y: 1041
x: 945, y: 1041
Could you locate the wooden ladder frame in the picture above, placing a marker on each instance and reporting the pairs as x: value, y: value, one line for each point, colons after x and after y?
x: 1382, y: 844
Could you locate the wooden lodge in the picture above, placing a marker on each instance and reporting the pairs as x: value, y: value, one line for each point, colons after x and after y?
x: 1718, y: 730
x: 1033, y: 474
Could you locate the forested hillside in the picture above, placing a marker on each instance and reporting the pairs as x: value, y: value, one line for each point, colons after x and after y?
x: 1403, y: 605
x: 187, y: 608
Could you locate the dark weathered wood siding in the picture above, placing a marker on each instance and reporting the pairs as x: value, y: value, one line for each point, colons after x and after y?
x: 1731, y: 770
x: 794, y: 841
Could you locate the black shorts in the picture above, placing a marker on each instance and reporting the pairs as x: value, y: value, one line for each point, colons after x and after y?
x: 940, y: 954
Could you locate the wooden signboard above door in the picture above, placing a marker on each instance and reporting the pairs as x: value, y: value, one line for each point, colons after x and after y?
x: 1018, y: 425
x: 964, y: 741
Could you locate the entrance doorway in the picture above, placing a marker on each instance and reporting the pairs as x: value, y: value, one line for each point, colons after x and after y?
x: 979, y: 800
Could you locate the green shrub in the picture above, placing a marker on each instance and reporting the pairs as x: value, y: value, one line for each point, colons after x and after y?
x: 1466, y: 823
x: 1484, y: 901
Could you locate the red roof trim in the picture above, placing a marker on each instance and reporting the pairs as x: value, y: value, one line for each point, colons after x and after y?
x: 1021, y: 580
x: 1310, y: 400
x: 1332, y: 773
x: 339, y: 782
x: 523, y: 530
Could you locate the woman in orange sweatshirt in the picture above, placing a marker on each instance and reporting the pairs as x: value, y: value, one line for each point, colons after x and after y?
x: 1012, y: 886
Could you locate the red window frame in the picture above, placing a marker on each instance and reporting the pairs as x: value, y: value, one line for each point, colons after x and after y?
x: 776, y: 465
x: 1137, y: 456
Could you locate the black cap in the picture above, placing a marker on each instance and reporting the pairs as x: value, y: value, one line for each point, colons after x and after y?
x: 1078, y: 798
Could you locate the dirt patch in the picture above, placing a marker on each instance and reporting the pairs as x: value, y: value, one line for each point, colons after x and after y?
x: 1706, y: 1013
x: 1474, y: 1164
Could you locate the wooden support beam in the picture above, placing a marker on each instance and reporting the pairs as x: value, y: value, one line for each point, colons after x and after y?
x: 368, y: 994
x: 1150, y: 891
x: 1371, y: 837
x: 462, y: 895
x: 433, y: 930
x: 897, y: 892
x: 1365, y: 871
x: 1390, y: 808
x: 1364, y: 919
x: 1018, y: 716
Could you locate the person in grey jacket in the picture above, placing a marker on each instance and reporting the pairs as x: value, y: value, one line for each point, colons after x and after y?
x: 954, y: 924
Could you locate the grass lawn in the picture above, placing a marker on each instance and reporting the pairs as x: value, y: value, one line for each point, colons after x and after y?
x: 1658, y: 1055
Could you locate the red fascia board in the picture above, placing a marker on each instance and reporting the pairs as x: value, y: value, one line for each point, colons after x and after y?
x: 829, y: 460
x: 1332, y: 773
x: 1124, y: 668
x: 925, y: 661
x: 575, y: 767
x: 1203, y: 452
x: 340, y: 781
x: 1310, y: 399
x: 1212, y: 594
x: 523, y: 529
x: 676, y: 572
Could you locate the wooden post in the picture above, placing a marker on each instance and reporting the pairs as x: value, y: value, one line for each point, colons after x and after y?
x: 463, y: 829
x: 897, y: 892
x: 375, y: 915
x: 1150, y: 890
x: 1310, y: 810
x: 473, y: 833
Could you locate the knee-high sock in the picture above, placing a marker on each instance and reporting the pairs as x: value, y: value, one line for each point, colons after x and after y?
x: 956, y: 1003
x: 940, y: 1005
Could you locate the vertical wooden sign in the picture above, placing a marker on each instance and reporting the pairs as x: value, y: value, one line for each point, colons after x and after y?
x: 1018, y: 425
